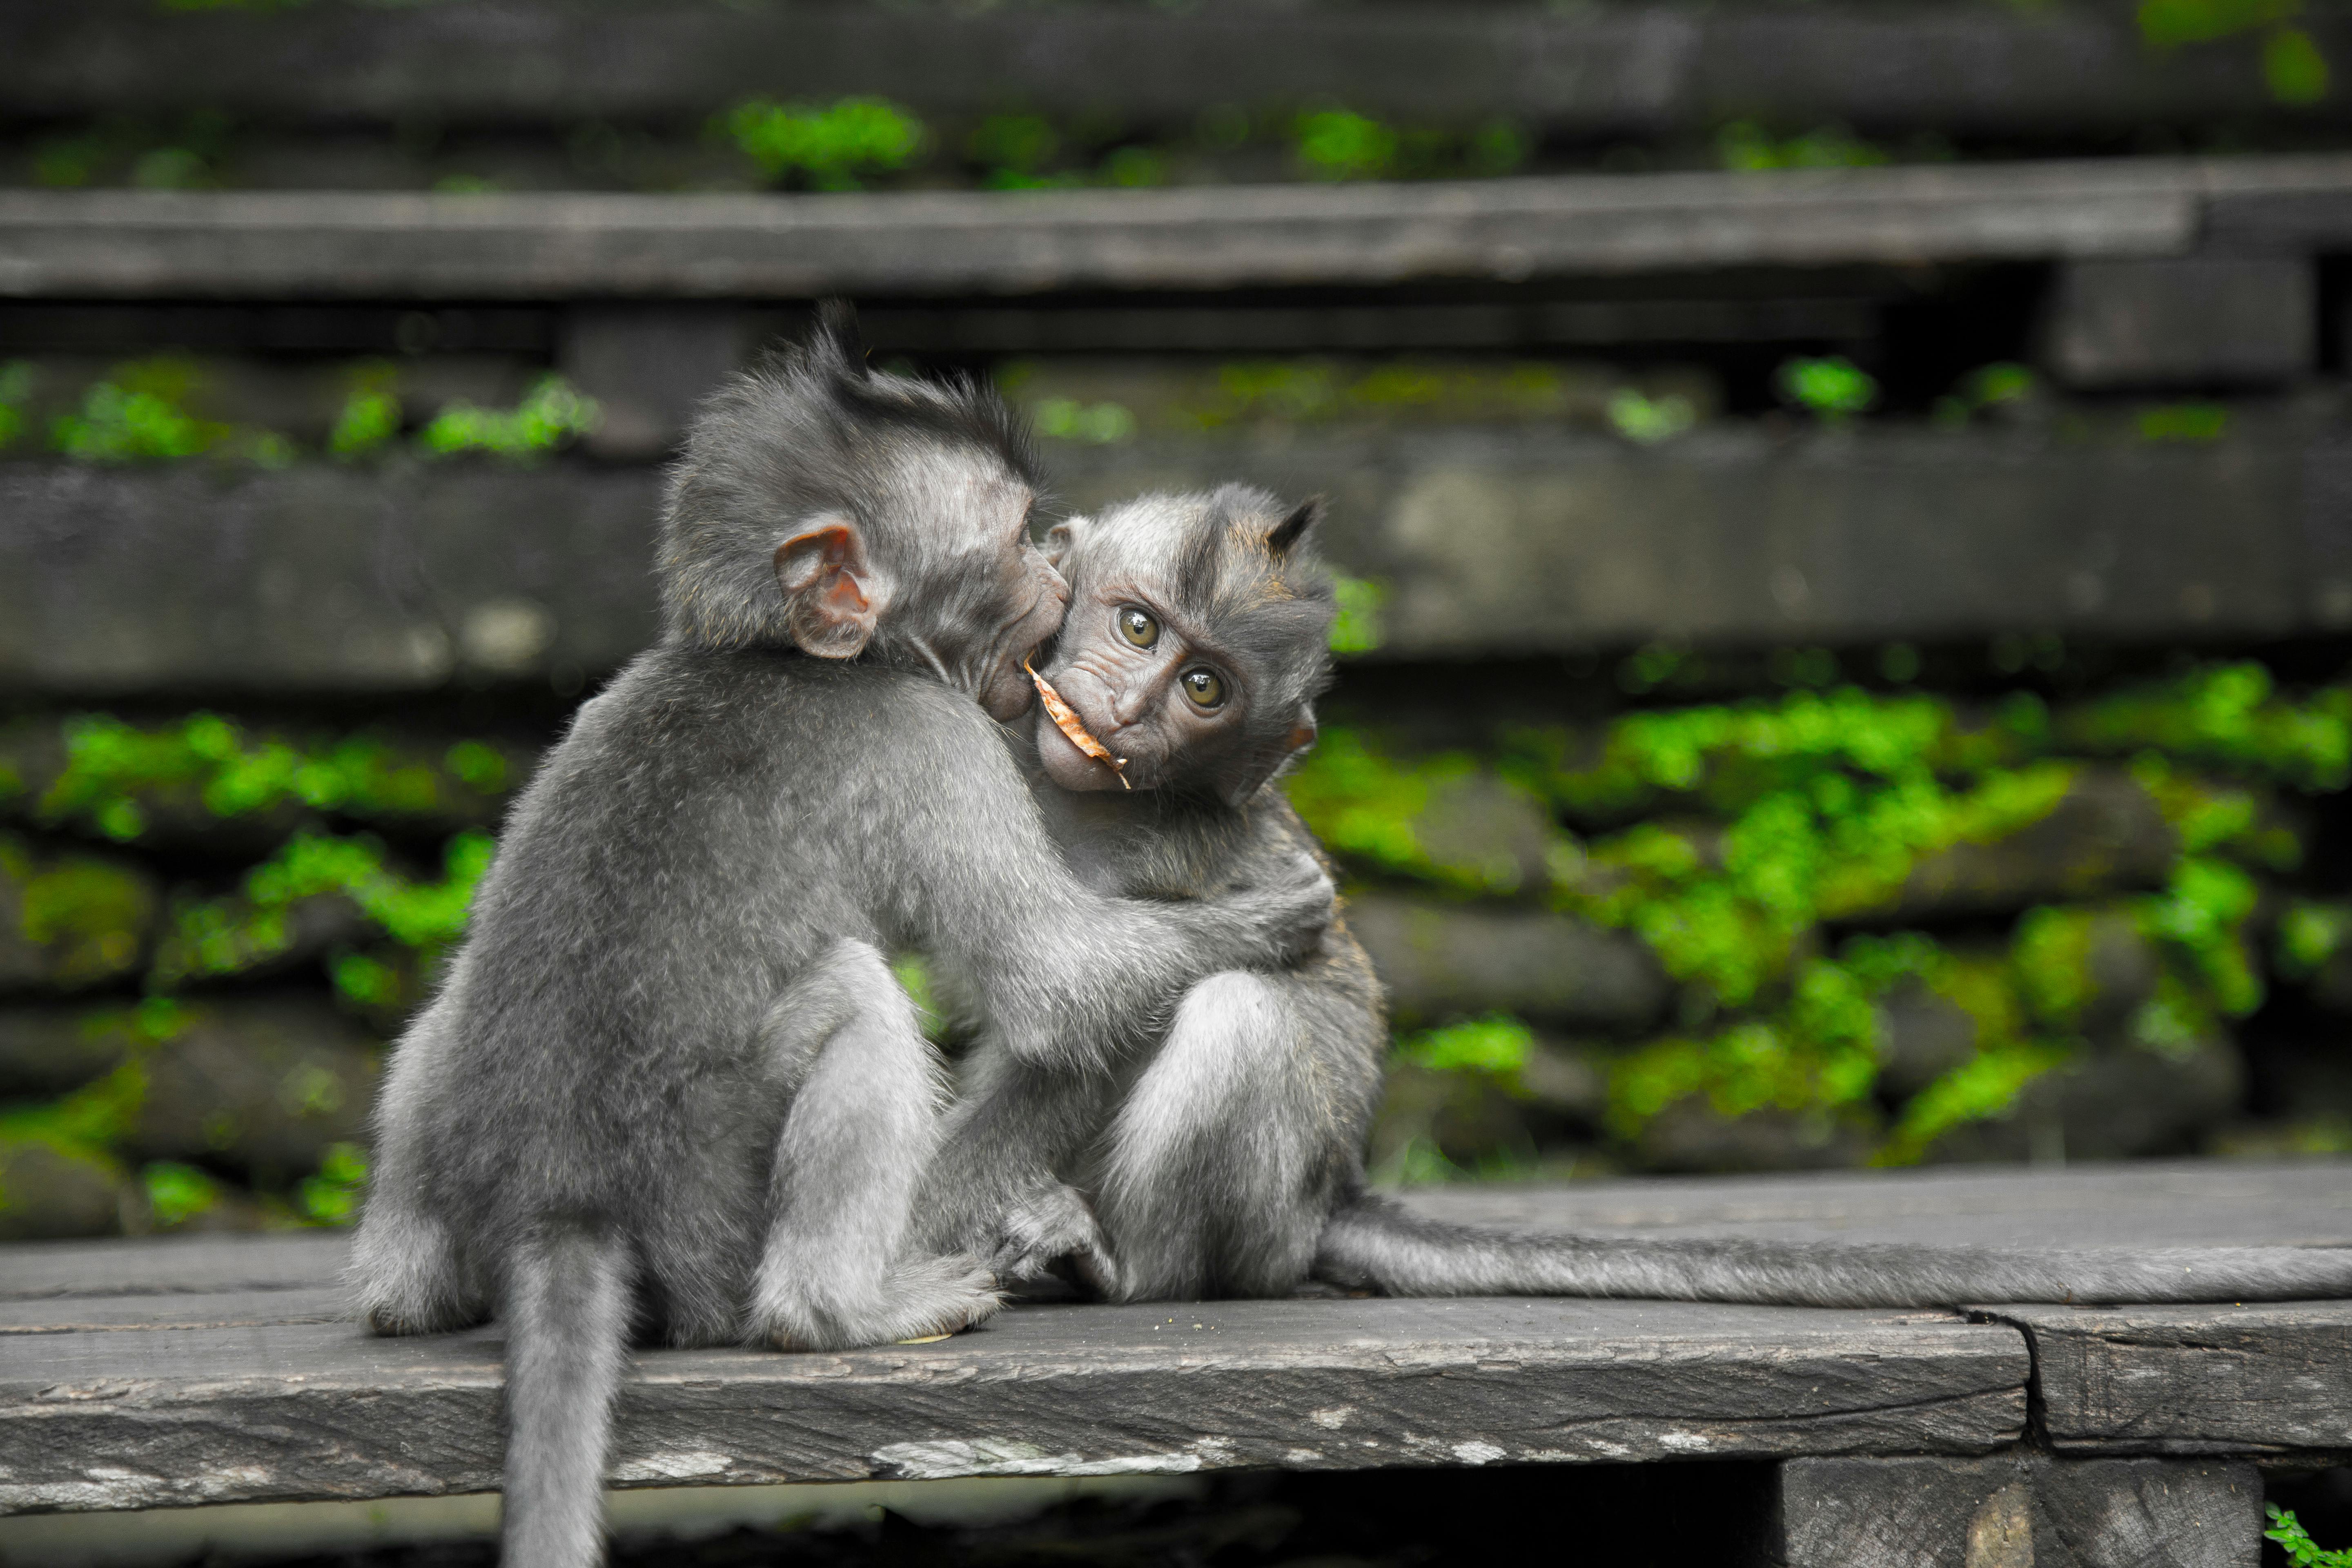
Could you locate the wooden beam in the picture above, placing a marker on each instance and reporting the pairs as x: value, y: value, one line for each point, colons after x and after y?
x: 546, y: 245
x: 156, y: 1400
x: 1953, y: 69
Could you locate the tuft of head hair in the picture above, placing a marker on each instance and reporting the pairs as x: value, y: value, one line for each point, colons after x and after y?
x: 809, y: 432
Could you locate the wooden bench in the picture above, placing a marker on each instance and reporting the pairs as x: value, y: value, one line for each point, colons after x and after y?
x: 142, y: 1374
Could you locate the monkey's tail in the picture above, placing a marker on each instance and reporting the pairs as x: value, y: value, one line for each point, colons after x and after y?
x: 568, y: 1312
x: 1373, y: 1242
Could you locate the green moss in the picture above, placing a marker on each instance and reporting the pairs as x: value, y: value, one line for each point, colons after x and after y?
x: 2226, y: 716
x: 1744, y: 145
x: 1357, y: 627
x: 245, y: 930
x: 831, y: 148
x: 2184, y: 424
x: 1751, y: 832
x: 177, y: 1194
x: 370, y: 415
x: 333, y: 1196
x: 1497, y: 1044
x: 92, y: 915
x: 114, y: 771
x: 551, y: 416
x: 1832, y: 389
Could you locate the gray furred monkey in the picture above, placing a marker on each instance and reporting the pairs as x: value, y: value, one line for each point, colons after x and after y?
x: 670, y: 1088
x: 1225, y: 1159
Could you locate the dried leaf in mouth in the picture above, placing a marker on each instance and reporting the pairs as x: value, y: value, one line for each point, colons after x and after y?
x: 1066, y: 720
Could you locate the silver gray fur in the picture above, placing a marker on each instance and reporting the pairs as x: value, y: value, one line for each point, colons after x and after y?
x: 1225, y: 1159
x: 669, y: 1090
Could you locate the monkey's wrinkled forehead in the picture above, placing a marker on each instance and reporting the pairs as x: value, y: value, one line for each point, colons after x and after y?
x: 1206, y: 554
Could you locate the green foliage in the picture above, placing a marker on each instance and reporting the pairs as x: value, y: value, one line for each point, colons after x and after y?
x: 2293, y: 68
x: 241, y: 930
x: 91, y: 913
x: 1334, y: 144
x: 1734, y: 839
x: 1647, y: 421
x: 914, y: 974
x: 829, y: 148
x: 333, y: 1196
x: 15, y: 387
x: 2296, y: 1543
x: 2224, y: 716
x: 371, y: 415
x: 1497, y: 1044
x: 1102, y: 423
x: 177, y: 1194
x: 1744, y: 145
x: 2168, y: 24
x: 140, y: 415
x: 1988, y: 389
x: 2184, y: 424
x: 1339, y: 144
x: 1357, y: 627
x: 115, y: 771
x: 1832, y: 389
x: 549, y: 417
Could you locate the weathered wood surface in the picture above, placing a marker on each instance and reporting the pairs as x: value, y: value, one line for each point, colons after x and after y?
x: 2141, y: 1203
x: 107, y: 1417
x: 2192, y: 1380
x: 1618, y: 71
x: 1492, y: 541
x: 360, y: 244
x: 140, y: 1373
x: 2018, y: 1510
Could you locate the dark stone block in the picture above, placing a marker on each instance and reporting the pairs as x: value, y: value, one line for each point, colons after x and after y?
x: 1438, y: 959
x: 264, y: 1086
x: 47, y: 1193
x: 70, y: 919
x: 2197, y: 322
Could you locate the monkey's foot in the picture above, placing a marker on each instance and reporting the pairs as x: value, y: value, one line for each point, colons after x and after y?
x: 1048, y: 1226
x: 923, y: 1297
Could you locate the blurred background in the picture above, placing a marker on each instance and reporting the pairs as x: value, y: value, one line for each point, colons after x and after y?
x: 1845, y: 511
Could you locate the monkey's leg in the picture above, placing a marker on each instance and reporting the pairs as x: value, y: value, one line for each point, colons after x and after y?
x: 836, y: 1270
x: 407, y: 1273
x: 994, y: 1188
x: 1217, y: 1173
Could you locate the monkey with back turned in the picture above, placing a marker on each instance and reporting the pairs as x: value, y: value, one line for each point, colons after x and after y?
x: 670, y: 1090
x: 1225, y: 1158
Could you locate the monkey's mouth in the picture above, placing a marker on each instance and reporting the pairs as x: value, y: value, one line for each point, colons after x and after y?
x: 1072, y: 729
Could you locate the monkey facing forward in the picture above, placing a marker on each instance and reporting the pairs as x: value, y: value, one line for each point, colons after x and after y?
x: 1225, y: 1158
x: 670, y: 1090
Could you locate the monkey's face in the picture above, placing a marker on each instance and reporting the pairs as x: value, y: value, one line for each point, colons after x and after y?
x: 973, y: 597
x: 1192, y: 647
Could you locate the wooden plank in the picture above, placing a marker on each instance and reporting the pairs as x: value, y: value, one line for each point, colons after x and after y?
x: 98, y: 1420
x: 1953, y: 69
x: 174, y: 1265
x: 2192, y: 1380
x: 261, y: 245
x: 2143, y: 1203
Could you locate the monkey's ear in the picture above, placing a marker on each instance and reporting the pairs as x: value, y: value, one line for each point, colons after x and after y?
x: 1062, y: 538
x: 836, y: 337
x: 1302, y: 732
x: 832, y: 594
x: 1292, y: 529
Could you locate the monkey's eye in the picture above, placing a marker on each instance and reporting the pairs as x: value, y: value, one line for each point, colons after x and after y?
x: 1138, y: 627
x: 1204, y: 687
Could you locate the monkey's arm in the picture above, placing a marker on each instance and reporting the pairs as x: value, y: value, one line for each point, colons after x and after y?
x: 1061, y: 973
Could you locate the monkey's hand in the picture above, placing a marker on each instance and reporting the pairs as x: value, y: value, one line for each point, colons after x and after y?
x: 1048, y: 1226
x: 1289, y: 909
